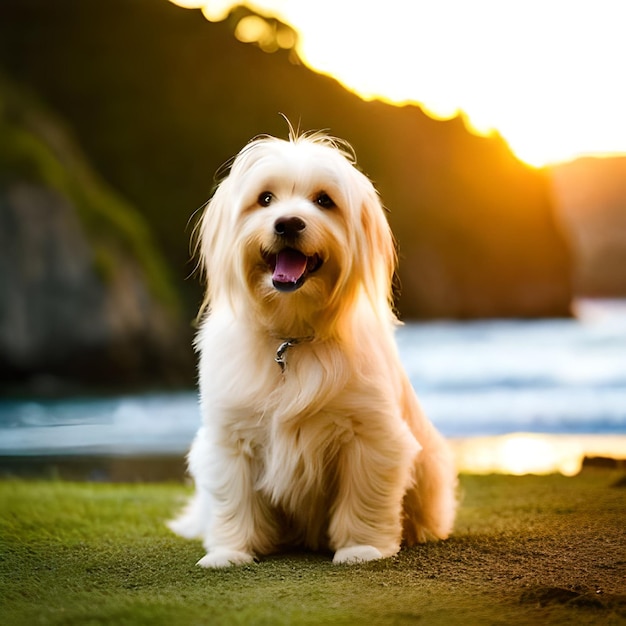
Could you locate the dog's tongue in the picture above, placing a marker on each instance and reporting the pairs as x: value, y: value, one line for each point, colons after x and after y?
x: 290, y: 265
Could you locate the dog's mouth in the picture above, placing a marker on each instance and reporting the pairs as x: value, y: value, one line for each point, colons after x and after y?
x: 290, y: 268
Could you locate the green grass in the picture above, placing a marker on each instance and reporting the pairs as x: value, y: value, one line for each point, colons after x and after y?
x: 529, y: 550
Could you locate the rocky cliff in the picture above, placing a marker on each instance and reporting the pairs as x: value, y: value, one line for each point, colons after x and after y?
x: 85, y: 299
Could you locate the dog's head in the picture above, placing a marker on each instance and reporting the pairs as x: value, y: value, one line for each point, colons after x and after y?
x: 296, y: 235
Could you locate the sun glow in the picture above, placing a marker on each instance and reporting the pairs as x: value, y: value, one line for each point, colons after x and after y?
x: 546, y: 75
x: 534, y: 453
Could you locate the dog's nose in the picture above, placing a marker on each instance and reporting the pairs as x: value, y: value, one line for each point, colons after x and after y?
x: 289, y: 226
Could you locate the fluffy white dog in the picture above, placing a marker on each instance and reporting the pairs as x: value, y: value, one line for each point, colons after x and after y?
x: 312, y: 434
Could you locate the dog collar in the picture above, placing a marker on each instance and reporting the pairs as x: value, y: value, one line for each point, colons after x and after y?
x: 281, y: 353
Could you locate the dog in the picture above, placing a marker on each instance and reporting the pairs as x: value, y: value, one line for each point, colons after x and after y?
x: 311, y: 433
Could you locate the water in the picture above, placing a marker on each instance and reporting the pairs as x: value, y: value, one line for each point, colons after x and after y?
x: 551, y: 376
x: 473, y: 379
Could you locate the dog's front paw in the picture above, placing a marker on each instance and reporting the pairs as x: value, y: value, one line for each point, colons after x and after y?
x: 357, y: 554
x: 223, y: 557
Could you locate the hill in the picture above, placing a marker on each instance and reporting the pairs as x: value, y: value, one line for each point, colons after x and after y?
x: 159, y: 99
x: 591, y: 198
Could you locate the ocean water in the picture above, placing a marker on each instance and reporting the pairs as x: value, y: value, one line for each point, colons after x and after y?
x: 473, y: 379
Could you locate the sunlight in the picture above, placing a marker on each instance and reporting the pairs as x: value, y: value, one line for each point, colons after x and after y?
x: 268, y: 36
x: 532, y: 453
x: 214, y: 11
x: 545, y: 75
x: 253, y: 28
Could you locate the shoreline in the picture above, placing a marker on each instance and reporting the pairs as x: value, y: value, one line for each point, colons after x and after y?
x: 511, y: 454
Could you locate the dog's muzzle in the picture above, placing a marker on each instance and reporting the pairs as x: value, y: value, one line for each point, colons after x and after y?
x: 289, y: 265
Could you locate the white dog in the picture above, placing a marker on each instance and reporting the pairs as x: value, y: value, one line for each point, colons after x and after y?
x: 311, y: 432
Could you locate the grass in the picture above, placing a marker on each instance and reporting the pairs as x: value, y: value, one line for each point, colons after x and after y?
x: 526, y: 550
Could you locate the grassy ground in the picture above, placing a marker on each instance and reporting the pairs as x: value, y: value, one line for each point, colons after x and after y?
x: 527, y: 550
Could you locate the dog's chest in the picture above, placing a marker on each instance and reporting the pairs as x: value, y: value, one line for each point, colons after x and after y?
x: 299, y: 458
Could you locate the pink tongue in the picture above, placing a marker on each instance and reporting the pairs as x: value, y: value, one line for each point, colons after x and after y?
x: 290, y: 265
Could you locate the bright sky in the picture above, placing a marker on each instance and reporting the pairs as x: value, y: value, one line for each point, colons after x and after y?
x: 548, y: 75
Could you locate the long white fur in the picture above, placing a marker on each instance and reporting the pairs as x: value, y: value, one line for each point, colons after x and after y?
x: 334, y: 452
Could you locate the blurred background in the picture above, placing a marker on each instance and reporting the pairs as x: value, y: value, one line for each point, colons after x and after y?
x: 115, y: 114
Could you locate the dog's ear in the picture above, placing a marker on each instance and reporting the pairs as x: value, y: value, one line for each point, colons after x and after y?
x: 209, y: 245
x: 376, y: 249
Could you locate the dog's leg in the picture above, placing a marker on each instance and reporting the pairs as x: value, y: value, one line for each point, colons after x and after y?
x: 431, y: 500
x: 228, y: 540
x: 226, y: 512
x: 242, y: 522
x: 373, y: 475
x: 430, y: 503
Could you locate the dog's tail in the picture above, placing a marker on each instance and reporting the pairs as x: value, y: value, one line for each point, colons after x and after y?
x: 191, y: 522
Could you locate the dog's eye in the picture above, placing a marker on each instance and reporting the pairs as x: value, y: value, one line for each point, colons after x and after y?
x: 265, y: 198
x: 324, y: 200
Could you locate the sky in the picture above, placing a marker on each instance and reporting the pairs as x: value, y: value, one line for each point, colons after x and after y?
x: 547, y: 75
